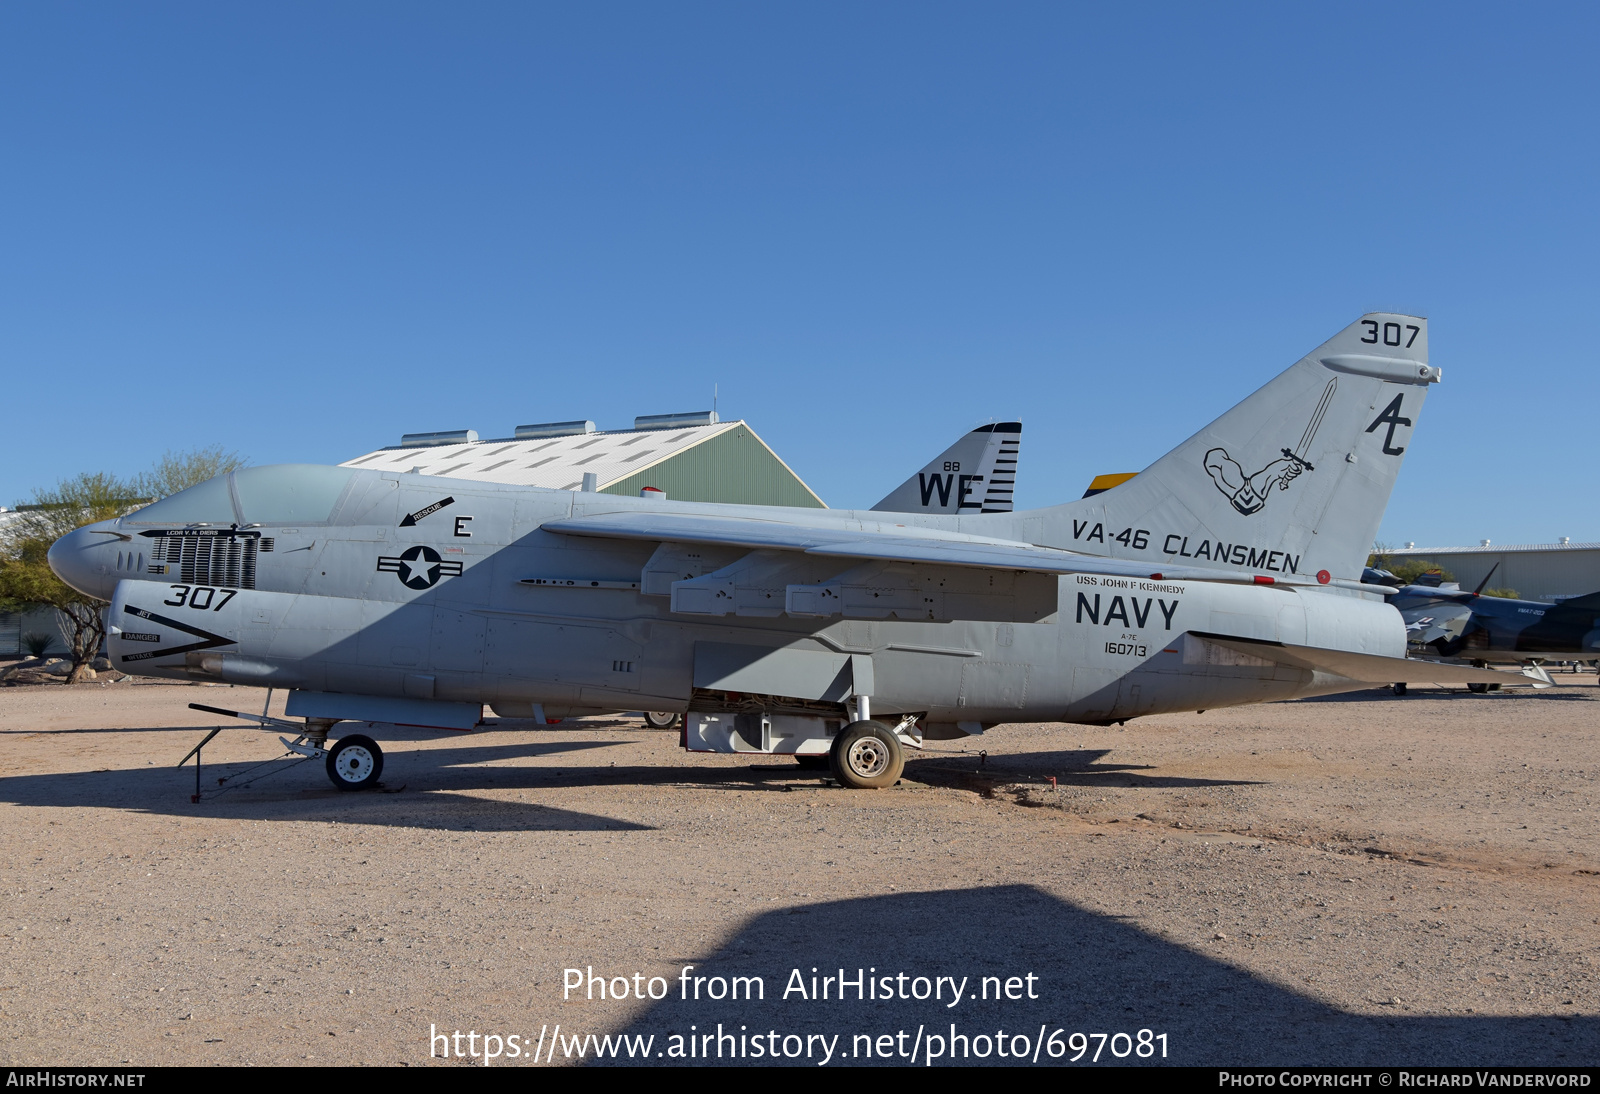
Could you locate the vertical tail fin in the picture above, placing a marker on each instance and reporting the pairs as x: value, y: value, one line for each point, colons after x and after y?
x: 1294, y: 479
x: 977, y: 474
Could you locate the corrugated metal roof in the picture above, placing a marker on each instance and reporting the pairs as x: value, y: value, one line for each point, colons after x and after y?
x: 1492, y: 549
x: 557, y: 463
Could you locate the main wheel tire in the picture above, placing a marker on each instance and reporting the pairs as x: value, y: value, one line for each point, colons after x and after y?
x: 659, y: 720
x: 814, y: 762
x: 1399, y: 689
x: 1477, y: 689
x: 355, y: 762
x: 866, y: 756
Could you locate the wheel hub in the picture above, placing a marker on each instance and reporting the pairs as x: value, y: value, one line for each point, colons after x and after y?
x: 355, y: 764
x: 868, y: 758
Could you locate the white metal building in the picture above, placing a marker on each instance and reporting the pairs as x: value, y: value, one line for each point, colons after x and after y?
x: 1537, y: 571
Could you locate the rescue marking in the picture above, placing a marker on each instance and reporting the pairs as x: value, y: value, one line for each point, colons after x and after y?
x: 427, y: 511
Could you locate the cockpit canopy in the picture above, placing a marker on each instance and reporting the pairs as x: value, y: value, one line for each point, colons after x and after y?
x: 285, y: 493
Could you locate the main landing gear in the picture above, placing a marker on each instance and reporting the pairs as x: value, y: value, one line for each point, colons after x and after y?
x: 860, y: 754
x: 866, y: 756
x: 659, y: 720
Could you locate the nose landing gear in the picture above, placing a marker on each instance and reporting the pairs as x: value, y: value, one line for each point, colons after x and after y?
x: 353, y: 762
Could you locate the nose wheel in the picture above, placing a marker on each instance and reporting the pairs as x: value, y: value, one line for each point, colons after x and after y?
x: 355, y: 762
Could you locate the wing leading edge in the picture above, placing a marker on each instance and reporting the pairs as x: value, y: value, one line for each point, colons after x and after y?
x: 909, y: 545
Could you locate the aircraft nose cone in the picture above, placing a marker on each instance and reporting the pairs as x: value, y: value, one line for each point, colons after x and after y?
x: 84, y: 559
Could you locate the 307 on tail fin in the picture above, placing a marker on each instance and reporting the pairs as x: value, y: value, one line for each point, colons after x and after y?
x: 1292, y: 480
x: 977, y: 474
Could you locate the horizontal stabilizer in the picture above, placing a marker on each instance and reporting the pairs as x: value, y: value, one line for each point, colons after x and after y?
x: 1367, y: 667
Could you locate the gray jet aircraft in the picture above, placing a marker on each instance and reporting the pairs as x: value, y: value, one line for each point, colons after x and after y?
x: 1225, y: 573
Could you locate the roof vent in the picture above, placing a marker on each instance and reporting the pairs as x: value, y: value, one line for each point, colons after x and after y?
x: 553, y: 429
x: 446, y: 436
x: 1565, y: 540
x: 675, y: 421
x: 1483, y: 543
x: 1411, y: 545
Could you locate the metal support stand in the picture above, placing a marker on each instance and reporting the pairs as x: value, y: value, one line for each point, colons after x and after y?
x: 195, y: 752
x: 310, y: 743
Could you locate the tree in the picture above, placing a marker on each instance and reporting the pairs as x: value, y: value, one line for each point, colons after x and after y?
x: 176, y: 471
x: 26, y: 579
x: 25, y: 575
x: 1406, y: 569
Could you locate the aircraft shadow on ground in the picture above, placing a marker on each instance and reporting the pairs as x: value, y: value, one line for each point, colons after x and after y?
x: 422, y: 788
x: 434, y: 787
x: 1096, y: 974
x: 1077, y: 767
x: 1423, y: 691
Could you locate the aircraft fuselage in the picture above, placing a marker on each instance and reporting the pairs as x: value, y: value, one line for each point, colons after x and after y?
x: 474, y: 603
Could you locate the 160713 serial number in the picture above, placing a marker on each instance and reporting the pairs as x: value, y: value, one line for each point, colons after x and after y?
x: 1129, y: 649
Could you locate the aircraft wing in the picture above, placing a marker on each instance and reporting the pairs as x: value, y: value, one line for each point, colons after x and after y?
x: 1367, y: 667
x: 918, y: 545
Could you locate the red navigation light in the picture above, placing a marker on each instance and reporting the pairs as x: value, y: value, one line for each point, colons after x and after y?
x: 1323, y: 577
x: 1263, y: 579
x: 1155, y: 577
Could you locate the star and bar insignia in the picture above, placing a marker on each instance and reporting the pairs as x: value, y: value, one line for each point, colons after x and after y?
x: 419, y: 567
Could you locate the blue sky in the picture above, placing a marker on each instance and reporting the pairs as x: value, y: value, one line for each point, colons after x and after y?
x: 300, y: 230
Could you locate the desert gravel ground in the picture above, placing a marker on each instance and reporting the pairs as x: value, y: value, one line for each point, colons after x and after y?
x: 1364, y: 879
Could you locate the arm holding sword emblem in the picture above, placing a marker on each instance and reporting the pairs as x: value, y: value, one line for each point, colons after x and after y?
x: 1248, y: 493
